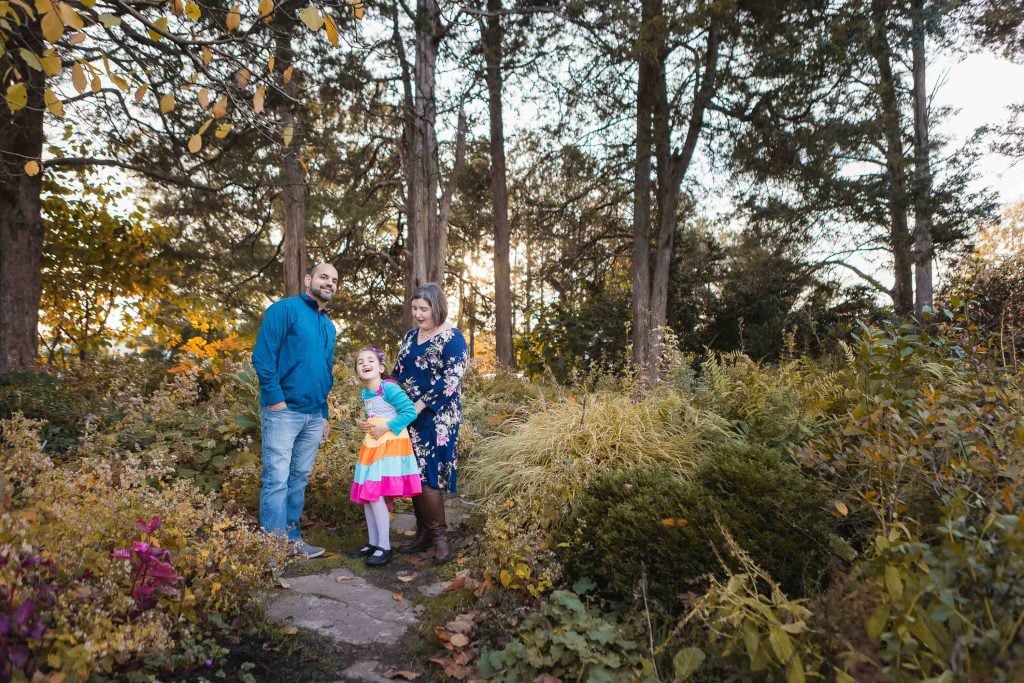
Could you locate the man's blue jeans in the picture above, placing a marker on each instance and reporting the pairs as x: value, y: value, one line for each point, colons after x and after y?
x: 290, y: 440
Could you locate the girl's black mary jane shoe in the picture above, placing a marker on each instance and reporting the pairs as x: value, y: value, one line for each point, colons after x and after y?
x: 378, y: 558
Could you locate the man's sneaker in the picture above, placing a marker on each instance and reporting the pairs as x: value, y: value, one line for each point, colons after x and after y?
x: 306, y: 550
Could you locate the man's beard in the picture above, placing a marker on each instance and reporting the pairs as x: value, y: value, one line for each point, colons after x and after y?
x: 319, y: 293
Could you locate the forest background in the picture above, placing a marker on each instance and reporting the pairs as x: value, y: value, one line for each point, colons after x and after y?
x: 753, y: 320
x: 734, y: 172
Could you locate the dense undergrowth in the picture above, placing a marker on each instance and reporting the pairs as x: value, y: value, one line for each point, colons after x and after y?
x: 849, y: 518
x: 843, y: 519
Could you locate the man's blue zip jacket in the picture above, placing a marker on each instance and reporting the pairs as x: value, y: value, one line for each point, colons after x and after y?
x: 294, y: 355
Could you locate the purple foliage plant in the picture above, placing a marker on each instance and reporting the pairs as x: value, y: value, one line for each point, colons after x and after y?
x: 152, y: 572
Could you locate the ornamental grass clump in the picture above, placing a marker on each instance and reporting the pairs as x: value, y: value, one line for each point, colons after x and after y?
x: 528, y: 478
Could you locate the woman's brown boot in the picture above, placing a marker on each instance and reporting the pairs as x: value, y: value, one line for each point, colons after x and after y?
x: 422, y: 540
x: 437, y: 525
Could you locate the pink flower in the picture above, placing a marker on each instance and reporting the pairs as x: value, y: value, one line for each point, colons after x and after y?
x: 150, y: 526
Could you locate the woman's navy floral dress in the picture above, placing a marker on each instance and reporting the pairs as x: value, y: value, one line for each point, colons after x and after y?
x: 432, y: 372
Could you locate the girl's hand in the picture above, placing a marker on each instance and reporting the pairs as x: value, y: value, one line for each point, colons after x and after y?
x: 420, y: 406
x: 377, y: 431
x: 363, y: 425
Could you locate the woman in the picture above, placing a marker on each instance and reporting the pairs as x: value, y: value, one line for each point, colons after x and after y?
x: 430, y: 366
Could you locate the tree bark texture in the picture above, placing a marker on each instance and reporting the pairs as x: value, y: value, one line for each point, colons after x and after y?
x: 21, y: 227
x: 423, y: 223
x: 923, y: 243
x: 640, y: 271
x: 293, y: 176
x: 493, y: 36
x: 899, y: 196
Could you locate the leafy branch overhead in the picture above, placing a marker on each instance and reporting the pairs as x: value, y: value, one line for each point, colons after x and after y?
x: 220, y: 60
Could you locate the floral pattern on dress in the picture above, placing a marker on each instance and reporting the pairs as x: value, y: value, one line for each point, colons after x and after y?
x: 432, y: 372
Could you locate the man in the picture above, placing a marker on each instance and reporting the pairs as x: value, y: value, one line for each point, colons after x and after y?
x: 293, y: 357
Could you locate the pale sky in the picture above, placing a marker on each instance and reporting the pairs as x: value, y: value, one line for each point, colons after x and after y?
x: 981, y: 86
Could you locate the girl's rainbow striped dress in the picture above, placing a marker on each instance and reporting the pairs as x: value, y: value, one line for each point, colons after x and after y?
x: 387, y: 466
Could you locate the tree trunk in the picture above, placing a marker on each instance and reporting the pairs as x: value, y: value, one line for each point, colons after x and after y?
x: 923, y: 246
x: 293, y: 177
x: 640, y: 273
x: 423, y: 225
x: 899, y: 232
x: 21, y: 227
x: 493, y: 36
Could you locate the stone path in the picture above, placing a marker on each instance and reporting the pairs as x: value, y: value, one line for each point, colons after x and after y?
x: 365, y: 612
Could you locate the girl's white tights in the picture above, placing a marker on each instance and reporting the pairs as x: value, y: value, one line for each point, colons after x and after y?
x: 378, y: 523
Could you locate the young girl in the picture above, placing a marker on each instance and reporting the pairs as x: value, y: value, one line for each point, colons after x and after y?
x: 387, y: 467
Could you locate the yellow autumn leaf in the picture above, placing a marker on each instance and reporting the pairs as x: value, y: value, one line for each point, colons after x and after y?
x: 505, y: 577
x: 204, y: 98
x: 53, y: 103
x: 195, y: 143
x: 51, y: 62
x: 331, y: 29
x: 257, y: 99
x: 78, y: 78
x: 289, y: 131
x: 271, y: 61
x: 167, y: 103
x: 30, y: 58
x: 266, y: 9
x: 32, y: 167
x: 207, y: 54
x: 459, y: 640
x: 242, y: 77
x: 311, y: 17
x: 192, y: 11
x: 70, y: 17
x: 158, y: 33
x: 202, y: 129
x: 97, y: 84
x: 119, y: 81
x: 220, y: 107
x: 77, y: 38
x: 17, y: 96
x: 673, y: 521
x: 52, y: 27
x: 222, y: 130
x: 233, y: 19
x: 286, y: 77
x: 141, y: 92
x: 359, y: 10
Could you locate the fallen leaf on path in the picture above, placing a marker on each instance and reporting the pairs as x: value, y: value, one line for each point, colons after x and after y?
x: 289, y: 630
x: 440, y: 661
x: 409, y: 532
x: 343, y: 579
x: 459, y: 640
x: 461, y: 657
x: 457, y: 671
x: 406, y: 577
x: 414, y: 560
x: 455, y: 584
x: 285, y: 584
x: 397, y: 597
x: 404, y: 675
x: 442, y: 634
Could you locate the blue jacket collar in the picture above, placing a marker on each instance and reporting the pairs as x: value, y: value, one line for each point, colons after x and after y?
x: 311, y: 302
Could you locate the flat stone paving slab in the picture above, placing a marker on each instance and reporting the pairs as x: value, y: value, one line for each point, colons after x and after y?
x: 350, y: 611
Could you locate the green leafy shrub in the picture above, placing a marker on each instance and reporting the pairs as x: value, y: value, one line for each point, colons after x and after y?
x: 71, y: 402
x: 206, y: 567
x: 775, y: 405
x: 636, y: 519
x: 568, y: 640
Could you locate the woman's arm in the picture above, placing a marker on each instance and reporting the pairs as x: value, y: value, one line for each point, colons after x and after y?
x: 454, y: 358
